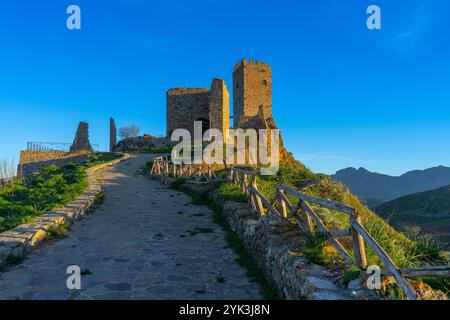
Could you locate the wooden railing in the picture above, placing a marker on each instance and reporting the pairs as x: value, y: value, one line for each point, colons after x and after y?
x: 194, y: 173
x: 306, y: 218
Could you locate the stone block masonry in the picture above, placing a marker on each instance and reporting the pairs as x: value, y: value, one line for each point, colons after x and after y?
x: 112, y: 135
x: 252, y: 96
x: 33, y: 161
x: 219, y: 107
x: 81, y: 141
x: 252, y: 90
x: 185, y: 106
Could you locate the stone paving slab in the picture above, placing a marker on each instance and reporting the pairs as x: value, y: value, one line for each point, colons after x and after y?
x: 138, y: 245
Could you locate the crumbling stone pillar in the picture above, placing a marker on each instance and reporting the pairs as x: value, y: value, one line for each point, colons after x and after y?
x: 112, y: 135
x: 81, y: 141
x: 219, y: 107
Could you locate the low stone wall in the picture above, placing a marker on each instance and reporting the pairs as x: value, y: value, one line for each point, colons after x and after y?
x: 140, y: 143
x: 33, y: 161
x: 20, y: 240
x: 274, y: 245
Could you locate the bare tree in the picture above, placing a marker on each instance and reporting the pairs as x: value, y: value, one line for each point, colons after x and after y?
x: 129, y: 132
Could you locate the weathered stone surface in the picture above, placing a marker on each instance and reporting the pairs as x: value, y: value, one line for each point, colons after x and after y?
x: 185, y: 106
x: 139, y: 249
x: 328, y: 295
x: 81, y: 141
x: 112, y: 135
x: 219, y: 107
x: 33, y: 161
x: 139, y: 143
x: 252, y: 89
x: 355, y: 285
x: 312, y: 284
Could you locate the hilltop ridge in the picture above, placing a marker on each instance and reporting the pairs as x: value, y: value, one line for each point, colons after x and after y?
x: 367, y: 184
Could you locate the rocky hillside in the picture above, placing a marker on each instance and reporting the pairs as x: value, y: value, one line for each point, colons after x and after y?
x: 380, y: 187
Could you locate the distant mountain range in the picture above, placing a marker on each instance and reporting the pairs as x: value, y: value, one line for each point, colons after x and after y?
x: 430, y: 210
x: 375, y: 188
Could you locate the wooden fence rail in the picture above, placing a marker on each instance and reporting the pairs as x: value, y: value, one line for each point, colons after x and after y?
x: 306, y: 218
x: 194, y: 173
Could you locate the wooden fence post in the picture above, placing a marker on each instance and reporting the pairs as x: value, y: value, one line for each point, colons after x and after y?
x: 258, y: 202
x: 282, y: 204
x: 209, y: 172
x: 308, y: 222
x: 244, y: 184
x: 359, y: 248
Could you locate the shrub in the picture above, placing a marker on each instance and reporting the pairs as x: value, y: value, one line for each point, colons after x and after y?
x: 57, y: 231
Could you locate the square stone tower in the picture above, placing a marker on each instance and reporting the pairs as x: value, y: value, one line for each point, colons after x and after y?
x: 252, y: 90
x: 219, y: 107
x: 185, y: 106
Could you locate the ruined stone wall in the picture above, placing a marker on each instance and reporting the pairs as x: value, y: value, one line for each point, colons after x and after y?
x: 112, y: 135
x: 33, y: 161
x: 219, y: 107
x: 186, y: 105
x: 252, y: 89
x: 81, y: 141
x: 141, y: 143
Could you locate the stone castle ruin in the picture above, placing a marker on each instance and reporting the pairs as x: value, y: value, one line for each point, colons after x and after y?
x: 252, y: 102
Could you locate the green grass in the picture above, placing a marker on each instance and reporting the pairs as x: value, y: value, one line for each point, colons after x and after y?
x: 99, y: 198
x: 405, y: 251
x: 429, y: 210
x: 57, y: 231
x: 39, y: 193
x: 102, y: 157
x: 442, y: 284
x: 316, y: 248
x: 350, y: 274
x: 55, y: 187
x: 231, y: 192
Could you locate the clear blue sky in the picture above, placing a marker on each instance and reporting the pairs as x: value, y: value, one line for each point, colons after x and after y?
x: 343, y: 95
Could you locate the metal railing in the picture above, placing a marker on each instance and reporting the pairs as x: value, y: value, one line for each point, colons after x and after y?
x: 53, y: 146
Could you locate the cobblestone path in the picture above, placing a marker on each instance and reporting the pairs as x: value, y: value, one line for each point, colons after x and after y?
x: 145, y: 242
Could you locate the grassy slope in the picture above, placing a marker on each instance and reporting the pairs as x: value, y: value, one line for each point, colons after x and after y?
x: 404, y: 251
x: 429, y: 210
x: 54, y: 188
x: 434, y: 203
x: 371, y: 202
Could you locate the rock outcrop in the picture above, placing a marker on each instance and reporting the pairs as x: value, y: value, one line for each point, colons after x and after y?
x: 141, y: 143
